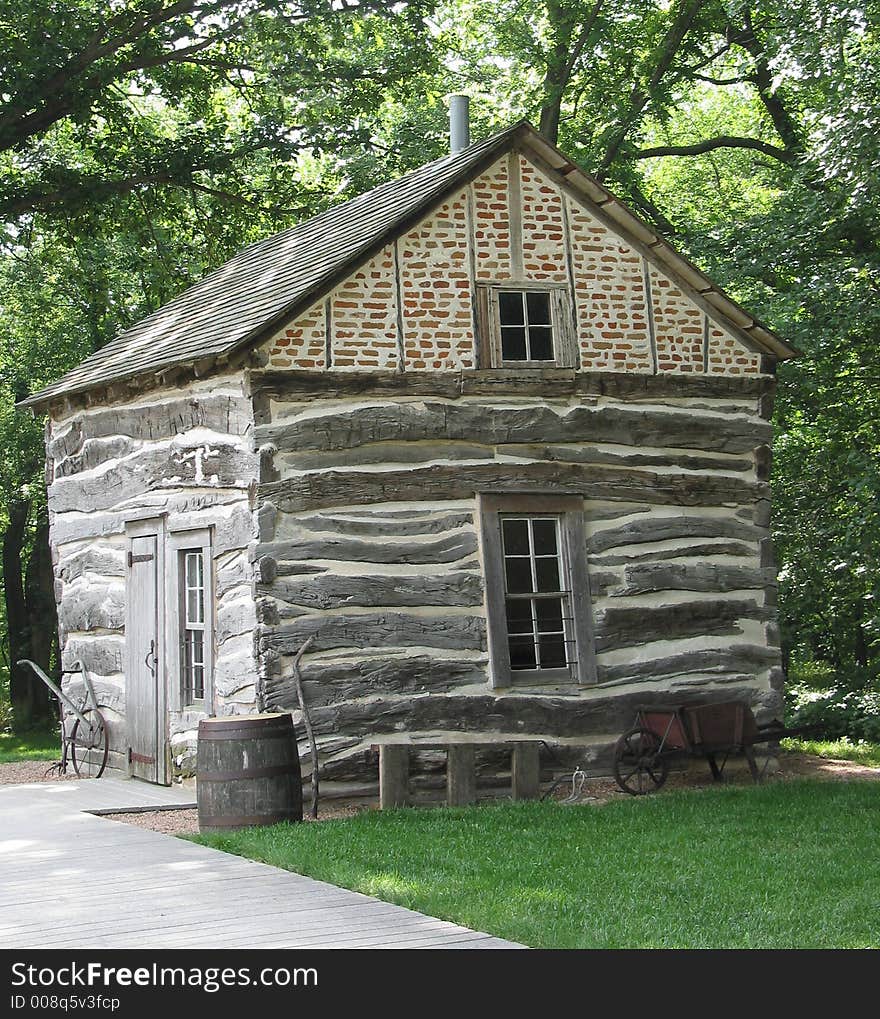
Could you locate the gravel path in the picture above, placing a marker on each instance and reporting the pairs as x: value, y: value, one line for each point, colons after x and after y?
x: 30, y: 771
x: 599, y: 790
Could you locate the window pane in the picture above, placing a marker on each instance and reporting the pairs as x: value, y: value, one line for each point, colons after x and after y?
x: 547, y: 574
x: 510, y: 308
x: 516, y: 536
x: 552, y: 651
x: 549, y: 613
x: 513, y: 343
x: 519, y: 575
x: 541, y: 343
x: 544, y: 534
x: 198, y: 647
x: 519, y: 615
x: 194, y: 569
x: 522, y: 652
x: 539, y: 308
x: 198, y: 682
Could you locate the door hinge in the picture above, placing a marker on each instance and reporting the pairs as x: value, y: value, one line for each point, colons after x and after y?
x: 132, y: 558
x: 139, y: 758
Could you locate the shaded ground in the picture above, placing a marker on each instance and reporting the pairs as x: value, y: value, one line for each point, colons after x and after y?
x: 598, y: 790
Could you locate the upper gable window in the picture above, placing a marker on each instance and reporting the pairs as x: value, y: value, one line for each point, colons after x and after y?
x: 526, y: 325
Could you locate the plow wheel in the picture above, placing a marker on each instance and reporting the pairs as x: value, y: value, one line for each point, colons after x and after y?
x: 88, y: 745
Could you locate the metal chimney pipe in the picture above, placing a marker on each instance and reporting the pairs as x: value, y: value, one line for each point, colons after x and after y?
x: 459, y: 123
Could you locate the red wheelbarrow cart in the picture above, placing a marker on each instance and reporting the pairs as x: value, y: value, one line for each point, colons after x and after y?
x: 665, y: 733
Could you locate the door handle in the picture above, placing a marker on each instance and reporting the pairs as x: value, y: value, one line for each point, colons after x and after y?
x: 150, y: 660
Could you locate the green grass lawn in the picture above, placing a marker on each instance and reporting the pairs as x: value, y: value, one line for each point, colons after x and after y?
x: 34, y: 745
x: 782, y: 865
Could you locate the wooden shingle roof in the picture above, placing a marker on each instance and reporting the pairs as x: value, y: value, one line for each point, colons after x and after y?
x: 268, y: 283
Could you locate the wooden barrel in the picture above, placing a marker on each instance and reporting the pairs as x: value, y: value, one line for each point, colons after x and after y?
x: 247, y: 772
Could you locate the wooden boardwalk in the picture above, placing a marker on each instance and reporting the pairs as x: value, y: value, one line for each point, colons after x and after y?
x: 71, y: 879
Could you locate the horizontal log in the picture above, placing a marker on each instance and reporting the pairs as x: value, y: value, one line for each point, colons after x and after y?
x: 382, y: 453
x: 344, y: 428
x: 734, y: 658
x: 578, y: 453
x: 108, y: 693
x: 94, y: 453
x: 102, y: 656
x: 601, y: 581
x: 448, y: 482
x: 227, y: 414
x: 231, y: 574
x: 447, y: 548
x: 655, y: 529
x: 698, y: 551
x: 522, y: 714
x: 155, y: 470
x: 613, y: 510
x: 306, y: 386
x: 328, y: 682
x: 333, y: 591
x: 234, y: 617
x: 632, y: 626
x: 98, y: 607
x: 378, y: 629
x: 643, y: 578
x: 293, y: 385
x: 101, y: 561
x: 425, y: 452
x: 379, y: 523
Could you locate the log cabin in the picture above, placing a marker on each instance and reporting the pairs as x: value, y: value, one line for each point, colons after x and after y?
x: 481, y: 433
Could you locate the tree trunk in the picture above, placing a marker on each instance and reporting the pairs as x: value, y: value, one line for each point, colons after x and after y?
x: 39, y: 594
x: 28, y: 636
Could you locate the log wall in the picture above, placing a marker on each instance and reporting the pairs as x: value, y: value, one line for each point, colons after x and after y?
x: 369, y: 544
x: 185, y: 453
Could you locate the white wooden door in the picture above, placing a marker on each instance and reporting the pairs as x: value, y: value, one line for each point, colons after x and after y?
x: 144, y: 693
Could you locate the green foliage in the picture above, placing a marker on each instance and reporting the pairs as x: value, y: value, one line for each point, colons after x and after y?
x: 782, y: 865
x: 849, y: 709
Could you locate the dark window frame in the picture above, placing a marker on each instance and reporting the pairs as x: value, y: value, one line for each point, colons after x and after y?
x: 569, y: 511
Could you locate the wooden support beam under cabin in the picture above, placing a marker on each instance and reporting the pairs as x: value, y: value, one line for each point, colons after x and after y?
x: 525, y: 771
x: 393, y: 775
x: 461, y: 775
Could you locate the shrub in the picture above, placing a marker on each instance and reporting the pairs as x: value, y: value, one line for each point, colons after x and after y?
x: 845, y: 709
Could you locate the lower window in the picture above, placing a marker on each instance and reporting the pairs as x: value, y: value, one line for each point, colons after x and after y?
x: 190, y: 593
x: 537, y: 602
x: 537, y: 595
x: 192, y: 643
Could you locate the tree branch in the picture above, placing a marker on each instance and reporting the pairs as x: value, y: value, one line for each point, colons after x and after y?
x: 672, y: 41
x: 721, y: 142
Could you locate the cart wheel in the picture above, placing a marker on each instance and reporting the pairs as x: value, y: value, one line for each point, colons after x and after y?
x: 88, y: 745
x: 639, y: 766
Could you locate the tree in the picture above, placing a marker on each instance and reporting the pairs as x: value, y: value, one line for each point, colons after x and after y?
x: 140, y: 148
